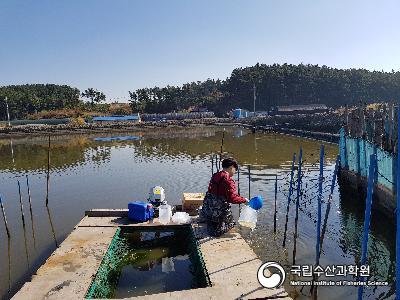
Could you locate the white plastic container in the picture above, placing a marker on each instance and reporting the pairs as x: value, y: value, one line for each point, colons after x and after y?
x: 164, y: 214
x: 248, y: 217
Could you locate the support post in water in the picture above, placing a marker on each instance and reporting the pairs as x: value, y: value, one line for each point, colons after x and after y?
x: 212, y: 165
x: 216, y: 162
x: 238, y: 179
x: 328, y: 206
x: 222, y: 143
x: 297, y: 205
x: 21, y: 204
x: 248, y: 169
x: 276, y: 193
x: 398, y: 210
x: 321, y: 178
x: 4, y: 217
x: 289, y: 196
x: 48, y: 174
x: 29, y: 193
x: 30, y: 210
x: 319, y: 217
x: 367, y: 218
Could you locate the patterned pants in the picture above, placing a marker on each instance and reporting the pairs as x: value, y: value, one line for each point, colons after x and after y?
x: 216, y: 211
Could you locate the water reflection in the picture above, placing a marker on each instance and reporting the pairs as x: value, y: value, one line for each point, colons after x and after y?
x: 52, y: 226
x: 30, y: 210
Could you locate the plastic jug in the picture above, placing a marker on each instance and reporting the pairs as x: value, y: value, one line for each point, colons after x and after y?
x: 164, y: 214
x: 248, y: 217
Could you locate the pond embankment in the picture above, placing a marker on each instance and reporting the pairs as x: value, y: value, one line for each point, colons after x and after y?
x: 322, y: 126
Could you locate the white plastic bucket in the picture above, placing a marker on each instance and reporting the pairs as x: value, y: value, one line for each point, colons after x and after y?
x: 248, y: 217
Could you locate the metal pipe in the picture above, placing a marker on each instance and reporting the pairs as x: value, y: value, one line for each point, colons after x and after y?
x: 238, y: 179
x: 321, y: 176
x: 297, y: 205
x: 212, y: 165
x: 398, y: 210
x: 367, y: 218
x: 328, y: 206
x: 248, y: 168
x: 276, y: 193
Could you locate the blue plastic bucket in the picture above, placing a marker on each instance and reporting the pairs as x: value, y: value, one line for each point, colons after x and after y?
x: 256, y: 202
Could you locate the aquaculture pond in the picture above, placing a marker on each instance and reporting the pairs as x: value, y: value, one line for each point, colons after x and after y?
x: 103, y: 171
x: 146, y: 261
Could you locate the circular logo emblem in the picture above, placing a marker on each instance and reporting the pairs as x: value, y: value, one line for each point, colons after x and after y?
x: 276, y: 279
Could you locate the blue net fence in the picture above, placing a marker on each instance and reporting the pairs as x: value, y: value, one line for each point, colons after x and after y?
x: 354, y: 154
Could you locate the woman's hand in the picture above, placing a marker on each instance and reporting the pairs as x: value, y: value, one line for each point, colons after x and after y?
x: 247, y: 201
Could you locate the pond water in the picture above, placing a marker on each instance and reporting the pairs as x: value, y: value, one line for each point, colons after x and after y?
x: 158, y: 262
x: 87, y: 172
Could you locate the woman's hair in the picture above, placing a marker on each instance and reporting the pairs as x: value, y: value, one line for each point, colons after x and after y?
x: 227, y: 162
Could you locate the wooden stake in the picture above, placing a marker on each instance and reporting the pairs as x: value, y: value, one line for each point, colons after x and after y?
x: 52, y: 226
x: 4, y: 217
x: 31, y: 213
x: 48, y: 174
x: 29, y: 193
x: 21, y: 204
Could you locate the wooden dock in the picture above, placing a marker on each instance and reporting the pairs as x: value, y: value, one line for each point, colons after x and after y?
x: 67, y: 274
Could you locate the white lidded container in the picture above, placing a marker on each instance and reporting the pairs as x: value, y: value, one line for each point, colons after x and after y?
x: 248, y: 217
x: 164, y: 213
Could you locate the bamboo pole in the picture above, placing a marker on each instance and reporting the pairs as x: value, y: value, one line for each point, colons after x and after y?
x: 48, y: 174
x: 31, y: 212
x: 9, y: 265
x: 288, y: 201
x: 297, y: 205
x: 29, y: 193
x: 21, y: 204
x: 4, y: 217
x: 26, y: 247
x: 52, y: 226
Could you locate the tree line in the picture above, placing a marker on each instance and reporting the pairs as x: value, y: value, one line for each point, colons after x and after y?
x: 28, y: 99
x: 275, y: 85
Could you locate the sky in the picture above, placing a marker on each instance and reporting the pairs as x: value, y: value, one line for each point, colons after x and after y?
x: 118, y: 46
